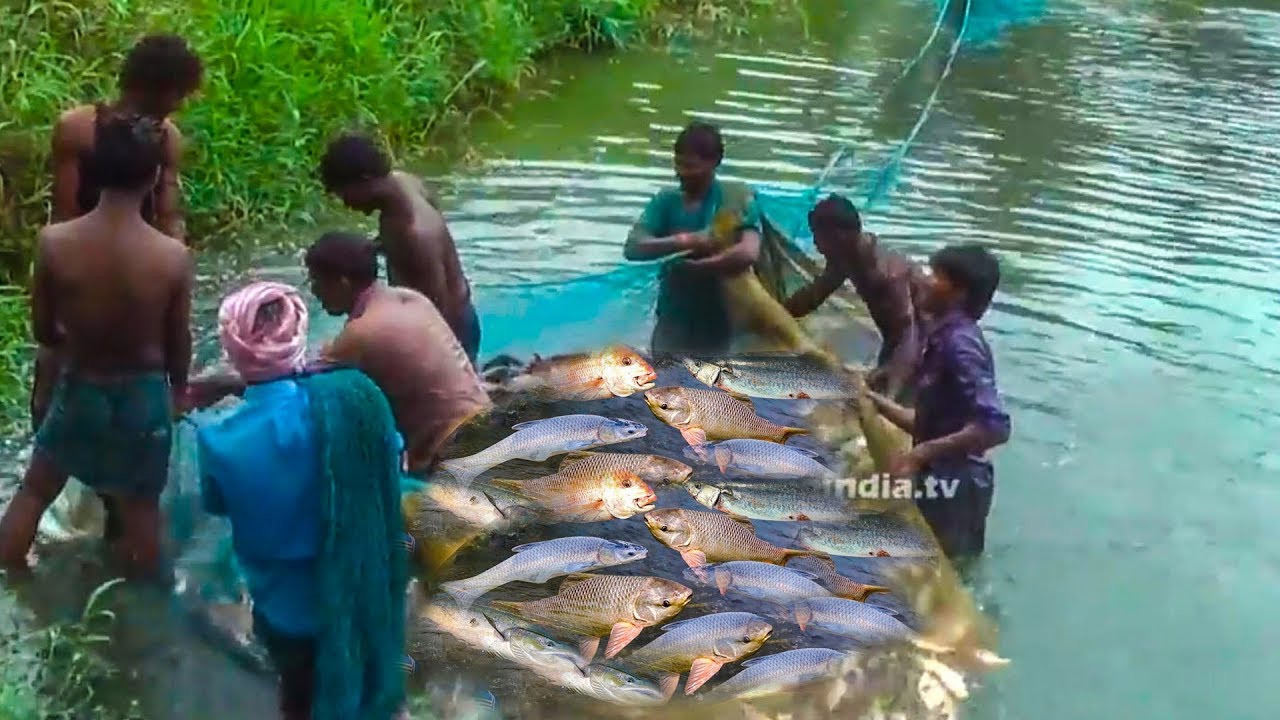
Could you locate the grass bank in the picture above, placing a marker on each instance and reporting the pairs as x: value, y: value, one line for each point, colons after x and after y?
x: 281, y: 77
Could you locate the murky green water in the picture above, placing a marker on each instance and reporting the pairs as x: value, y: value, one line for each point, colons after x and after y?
x: 1122, y: 158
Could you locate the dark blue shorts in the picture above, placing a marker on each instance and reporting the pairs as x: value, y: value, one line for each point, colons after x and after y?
x: 469, y: 334
x: 960, y: 522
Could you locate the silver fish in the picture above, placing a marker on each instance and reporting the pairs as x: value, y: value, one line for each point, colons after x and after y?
x: 782, y: 376
x: 868, y: 535
x: 471, y: 627
x: 761, y: 581
x: 473, y: 505
x: 865, y: 623
x: 539, y: 652
x: 701, y: 647
x: 778, y: 501
x: 615, y: 686
x: 541, y: 561
x: 778, y: 673
x: 540, y: 439
x: 761, y: 459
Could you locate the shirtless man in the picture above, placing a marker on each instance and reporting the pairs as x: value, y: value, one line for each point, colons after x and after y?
x: 886, y: 281
x: 398, y: 338
x: 112, y: 298
x: 412, y: 233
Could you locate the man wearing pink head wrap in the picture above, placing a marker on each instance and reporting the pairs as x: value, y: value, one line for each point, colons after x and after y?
x: 307, y: 470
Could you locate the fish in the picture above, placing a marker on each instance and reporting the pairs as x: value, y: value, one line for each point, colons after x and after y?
x: 779, y: 376
x: 471, y: 627
x: 779, y: 673
x: 766, y: 582
x: 616, y: 371
x: 777, y: 501
x: 862, y: 622
x: 593, y: 606
x: 868, y: 535
x: 700, y: 646
x: 702, y: 415
x: 840, y: 586
x: 540, y: 439
x: 702, y: 537
x: 751, y: 307
x: 536, y: 651
x: 586, y: 498
x: 541, y: 561
x: 621, y: 688
x: 472, y: 505
x: 761, y: 459
x: 653, y: 469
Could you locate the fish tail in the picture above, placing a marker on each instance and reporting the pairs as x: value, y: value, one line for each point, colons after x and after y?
x: 788, y: 554
x: 462, y: 592
x: 869, y: 590
x: 460, y: 469
x: 790, y: 432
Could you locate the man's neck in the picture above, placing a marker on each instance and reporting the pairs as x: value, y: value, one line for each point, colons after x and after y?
x: 363, y: 299
x: 395, y: 198
x: 121, y: 202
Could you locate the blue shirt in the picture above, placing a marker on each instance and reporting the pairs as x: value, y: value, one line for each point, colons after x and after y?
x: 259, y: 467
x: 956, y: 385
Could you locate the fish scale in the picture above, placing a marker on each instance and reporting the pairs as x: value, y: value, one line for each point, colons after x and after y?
x: 589, y: 607
x: 540, y: 439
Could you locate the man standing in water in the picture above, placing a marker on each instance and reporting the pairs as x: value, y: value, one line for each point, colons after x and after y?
x: 420, y: 251
x: 958, y: 416
x: 691, y: 314
x: 884, y: 280
x: 112, y: 298
x: 160, y: 72
x: 398, y: 338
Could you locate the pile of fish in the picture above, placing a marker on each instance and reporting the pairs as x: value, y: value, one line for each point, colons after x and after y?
x: 752, y: 476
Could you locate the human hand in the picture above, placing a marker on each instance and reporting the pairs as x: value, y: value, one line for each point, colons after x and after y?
x: 696, y: 243
x: 907, y: 465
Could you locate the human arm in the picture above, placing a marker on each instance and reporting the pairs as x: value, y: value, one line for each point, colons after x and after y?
x: 734, y: 260
x: 900, y: 415
x: 648, y: 239
x: 169, y: 190
x: 901, y: 364
x: 177, y: 344
x: 44, y: 329
x: 811, y: 296
x: 66, y: 169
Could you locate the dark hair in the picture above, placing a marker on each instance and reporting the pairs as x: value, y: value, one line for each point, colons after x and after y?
x: 973, y: 269
x: 352, y: 158
x: 344, y: 255
x: 162, y: 64
x: 701, y: 140
x: 835, y: 211
x: 127, y: 152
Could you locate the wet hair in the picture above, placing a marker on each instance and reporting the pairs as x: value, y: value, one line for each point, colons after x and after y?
x: 836, y: 211
x: 973, y: 269
x: 344, y: 255
x: 701, y: 140
x: 352, y: 158
x: 127, y: 152
x: 162, y: 64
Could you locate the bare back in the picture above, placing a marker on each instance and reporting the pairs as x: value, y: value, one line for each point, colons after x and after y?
x: 112, y: 287
x: 421, y: 254
x: 403, y: 344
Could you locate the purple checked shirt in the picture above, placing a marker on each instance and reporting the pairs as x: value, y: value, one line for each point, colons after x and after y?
x: 956, y: 384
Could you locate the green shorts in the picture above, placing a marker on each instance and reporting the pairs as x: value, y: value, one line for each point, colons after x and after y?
x: 114, y: 435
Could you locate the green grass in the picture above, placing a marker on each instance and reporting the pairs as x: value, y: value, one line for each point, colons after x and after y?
x: 56, y: 672
x: 284, y: 75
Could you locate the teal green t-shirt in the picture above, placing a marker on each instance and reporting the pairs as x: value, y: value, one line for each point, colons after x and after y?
x: 687, y: 300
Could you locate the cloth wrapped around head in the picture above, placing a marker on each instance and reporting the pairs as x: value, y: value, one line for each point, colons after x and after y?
x: 263, y: 330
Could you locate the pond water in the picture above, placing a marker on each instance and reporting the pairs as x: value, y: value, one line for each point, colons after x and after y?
x: 1121, y: 157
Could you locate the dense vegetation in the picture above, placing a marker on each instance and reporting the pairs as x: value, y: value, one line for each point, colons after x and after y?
x: 281, y: 77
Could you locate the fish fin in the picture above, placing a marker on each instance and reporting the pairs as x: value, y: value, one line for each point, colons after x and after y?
x: 866, y: 591
x: 526, y: 546
x: 823, y: 559
x: 505, y: 484
x: 703, y: 670
x: 574, y: 579
x: 740, y: 519
x: 575, y: 456
x: 462, y: 593
x: 698, y: 453
x: 694, y: 558
x: 529, y: 423
x: 621, y: 636
x: 587, y: 647
x: 788, y: 553
x: 668, y: 682
x: 803, y: 451
x: 744, y: 399
x: 812, y: 577
x: 790, y: 432
x: 696, y: 437
x: 457, y: 467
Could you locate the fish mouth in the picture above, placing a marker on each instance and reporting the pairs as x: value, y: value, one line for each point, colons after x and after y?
x: 647, y: 503
x: 646, y: 381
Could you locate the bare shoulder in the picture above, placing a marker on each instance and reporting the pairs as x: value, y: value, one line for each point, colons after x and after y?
x: 74, y: 128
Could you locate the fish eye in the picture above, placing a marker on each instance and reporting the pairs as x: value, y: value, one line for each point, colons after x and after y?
x: 746, y: 638
x: 631, y: 681
x: 626, y: 483
x: 663, y: 528
x: 474, y: 499
x: 664, y: 406
x: 626, y: 361
x: 473, y: 621
x: 666, y: 603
